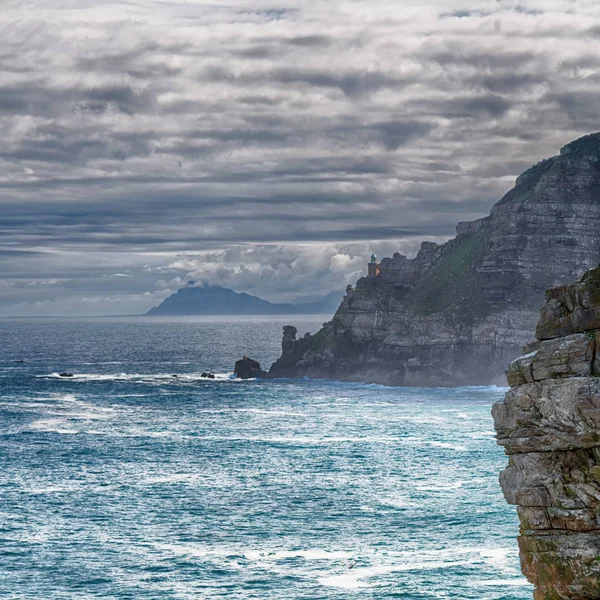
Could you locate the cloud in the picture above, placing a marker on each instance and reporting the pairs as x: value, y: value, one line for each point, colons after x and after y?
x: 311, y: 132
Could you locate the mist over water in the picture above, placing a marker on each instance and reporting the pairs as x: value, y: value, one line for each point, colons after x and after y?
x: 125, y: 482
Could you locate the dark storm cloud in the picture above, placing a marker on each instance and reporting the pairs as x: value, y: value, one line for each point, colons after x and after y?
x: 463, y: 14
x: 579, y: 105
x: 277, y: 144
x: 42, y: 99
x: 463, y: 56
x: 508, y: 82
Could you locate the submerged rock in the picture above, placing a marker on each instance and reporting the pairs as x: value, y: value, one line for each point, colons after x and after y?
x: 247, y: 368
x: 207, y: 375
x: 549, y: 425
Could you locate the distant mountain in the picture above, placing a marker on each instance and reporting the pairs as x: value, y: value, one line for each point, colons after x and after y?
x: 216, y: 300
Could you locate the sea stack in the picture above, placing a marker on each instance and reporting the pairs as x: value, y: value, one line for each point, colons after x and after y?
x: 549, y: 425
x: 246, y: 368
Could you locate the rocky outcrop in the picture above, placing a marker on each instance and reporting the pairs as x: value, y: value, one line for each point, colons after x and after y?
x: 247, y: 368
x: 549, y: 425
x: 458, y: 312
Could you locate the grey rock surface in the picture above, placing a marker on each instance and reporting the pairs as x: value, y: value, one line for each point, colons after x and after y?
x: 549, y: 425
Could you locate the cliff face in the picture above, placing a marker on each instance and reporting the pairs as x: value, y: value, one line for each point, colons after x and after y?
x: 458, y: 312
x: 549, y: 425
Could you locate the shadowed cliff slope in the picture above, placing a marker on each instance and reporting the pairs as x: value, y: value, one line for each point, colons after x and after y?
x: 458, y: 312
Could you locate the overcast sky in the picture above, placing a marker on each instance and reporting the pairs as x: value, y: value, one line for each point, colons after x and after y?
x: 267, y: 146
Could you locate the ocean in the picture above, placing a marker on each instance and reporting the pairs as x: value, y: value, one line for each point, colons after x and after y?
x: 125, y: 482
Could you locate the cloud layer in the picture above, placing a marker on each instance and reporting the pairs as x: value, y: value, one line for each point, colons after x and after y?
x: 267, y: 146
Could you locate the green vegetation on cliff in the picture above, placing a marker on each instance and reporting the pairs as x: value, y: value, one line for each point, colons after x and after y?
x: 452, y: 286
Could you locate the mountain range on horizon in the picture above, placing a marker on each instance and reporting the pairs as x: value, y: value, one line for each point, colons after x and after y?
x: 217, y: 300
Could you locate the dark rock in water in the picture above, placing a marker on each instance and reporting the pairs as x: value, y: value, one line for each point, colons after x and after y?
x: 19, y: 362
x: 549, y: 425
x: 458, y: 312
x: 65, y: 374
x: 175, y: 376
x: 208, y: 375
x: 246, y: 368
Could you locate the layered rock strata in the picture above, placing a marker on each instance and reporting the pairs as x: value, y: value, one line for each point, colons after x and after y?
x: 458, y: 312
x: 549, y: 425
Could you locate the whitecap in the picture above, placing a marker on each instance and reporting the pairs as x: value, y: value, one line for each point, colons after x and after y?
x: 155, y: 378
x: 347, y: 581
x: 517, y: 582
x: 52, y: 426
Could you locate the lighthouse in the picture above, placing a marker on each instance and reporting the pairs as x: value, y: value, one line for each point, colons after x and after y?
x: 373, y: 266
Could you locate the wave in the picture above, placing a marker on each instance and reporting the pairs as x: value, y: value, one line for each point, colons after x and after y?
x: 151, y: 378
x: 301, y: 439
x: 353, y: 568
x: 514, y: 582
x: 416, y: 441
x: 53, y: 426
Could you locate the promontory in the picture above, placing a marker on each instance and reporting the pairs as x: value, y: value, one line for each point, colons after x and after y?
x: 458, y: 312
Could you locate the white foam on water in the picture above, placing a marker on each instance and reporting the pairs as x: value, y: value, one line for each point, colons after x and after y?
x: 455, y: 485
x: 499, y: 558
x: 52, y: 426
x: 258, y: 411
x: 354, y: 579
x: 425, y: 419
x: 138, y: 432
x: 521, y: 582
x: 396, y: 501
x: 264, y: 555
x: 47, y: 490
x: 82, y: 415
x: 147, y: 378
x: 447, y: 445
x: 173, y: 478
x: 67, y: 398
x: 311, y: 554
x: 300, y: 439
x: 481, y: 435
x: 415, y: 441
x: 347, y: 581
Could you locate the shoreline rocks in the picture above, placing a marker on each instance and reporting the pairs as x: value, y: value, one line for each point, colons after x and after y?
x: 549, y: 426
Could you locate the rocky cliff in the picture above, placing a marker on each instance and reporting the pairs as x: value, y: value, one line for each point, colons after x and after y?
x: 458, y: 312
x: 549, y: 425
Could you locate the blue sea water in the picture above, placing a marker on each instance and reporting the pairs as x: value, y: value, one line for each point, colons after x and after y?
x: 127, y: 483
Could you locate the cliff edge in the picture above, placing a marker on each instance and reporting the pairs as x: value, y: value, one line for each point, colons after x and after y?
x: 549, y: 425
x: 458, y: 312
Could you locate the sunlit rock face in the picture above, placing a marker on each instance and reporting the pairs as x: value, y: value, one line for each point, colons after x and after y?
x: 549, y: 425
x: 459, y: 312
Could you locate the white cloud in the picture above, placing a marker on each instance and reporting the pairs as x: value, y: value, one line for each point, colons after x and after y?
x: 264, y: 138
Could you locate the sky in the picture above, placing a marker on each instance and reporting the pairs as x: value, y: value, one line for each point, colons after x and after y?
x: 266, y: 146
